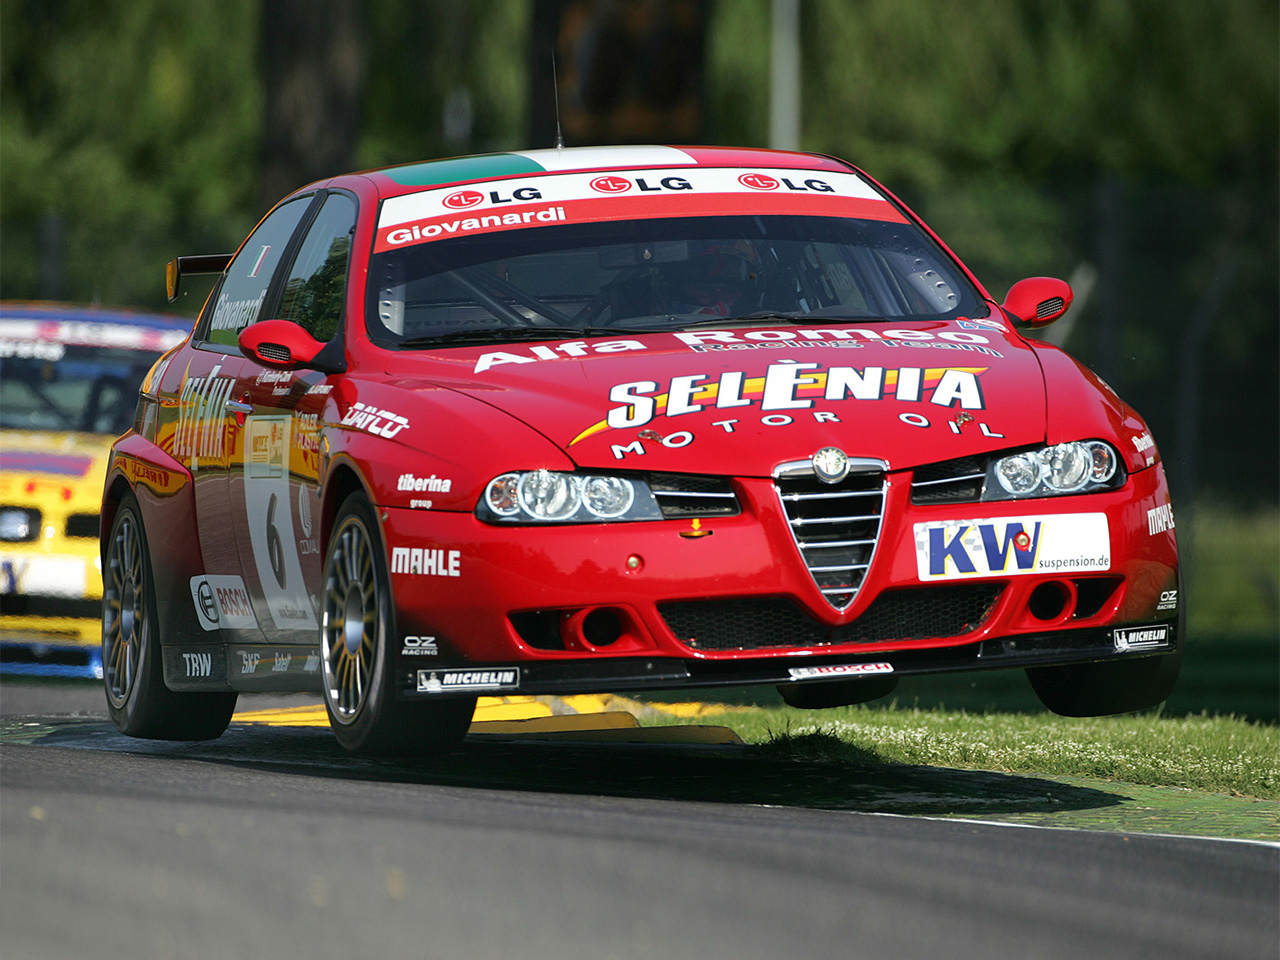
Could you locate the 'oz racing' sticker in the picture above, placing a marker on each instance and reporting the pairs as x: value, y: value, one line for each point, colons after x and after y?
x: 1012, y: 546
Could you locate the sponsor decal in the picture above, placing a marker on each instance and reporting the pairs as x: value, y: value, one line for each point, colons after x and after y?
x: 281, y: 381
x: 518, y: 202
x: 198, y: 664
x: 421, y: 504
x: 611, y: 184
x: 786, y: 386
x: 236, y: 314
x: 1141, y: 638
x: 321, y: 389
x: 1168, y: 601
x: 280, y: 662
x: 1012, y: 546
x: 48, y: 339
x: 966, y: 324
x: 420, y: 647
x: 574, y: 348
x: 202, y: 417
x: 493, y: 678
x: 431, y: 484
x: 32, y: 350
x: 445, y: 228
x: 307, y: 439
x: 1160, y: 519
x: 249, y: 662
x: 839, y: 670
x: 426, y: 561
x: 58, y: 464
x: 51, y: 576
x: 149, y: 475
x: 12, y: 574
x: 381, y: 423
x: 222, y: 601
x: 463, y: 199
x: 312, y: 664
x: 257, y: 264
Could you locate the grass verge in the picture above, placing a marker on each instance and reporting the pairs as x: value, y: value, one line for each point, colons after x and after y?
x: 1217, y: 754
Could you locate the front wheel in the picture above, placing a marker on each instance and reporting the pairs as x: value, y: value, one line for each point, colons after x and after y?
x: 356, y: 654
x: 132, y: 671
x: 1102, y: 689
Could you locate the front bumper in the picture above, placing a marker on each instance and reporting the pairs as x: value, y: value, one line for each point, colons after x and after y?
x: 636, y: 605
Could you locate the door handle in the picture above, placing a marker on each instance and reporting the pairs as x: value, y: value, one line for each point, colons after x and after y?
x: 236, y: 406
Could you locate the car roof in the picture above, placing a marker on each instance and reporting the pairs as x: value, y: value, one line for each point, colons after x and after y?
x: 91, y: 326
x: 412, y: 177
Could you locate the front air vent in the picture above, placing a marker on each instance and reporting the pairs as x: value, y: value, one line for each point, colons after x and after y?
x: 835, y: 526
x: 952, y: 481
x: 275, y: 351
x: 684, y: 495
x: 83, y: 525
x: 1049, y: 307
x: 919, y: 613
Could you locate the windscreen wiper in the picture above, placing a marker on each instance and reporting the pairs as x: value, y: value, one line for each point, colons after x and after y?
x: 499, y: 334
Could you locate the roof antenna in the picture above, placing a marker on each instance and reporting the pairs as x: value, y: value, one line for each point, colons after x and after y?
x: 555, y: 86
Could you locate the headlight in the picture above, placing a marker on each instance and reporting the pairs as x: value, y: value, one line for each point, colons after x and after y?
x: 1075, y: 467
x: 547, y: 496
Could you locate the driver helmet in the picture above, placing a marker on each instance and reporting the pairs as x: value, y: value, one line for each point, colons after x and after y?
x: 717, y: 275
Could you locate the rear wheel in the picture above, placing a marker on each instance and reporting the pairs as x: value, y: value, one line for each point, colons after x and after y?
x: 356, y: 653
x: 1101, y: 689
x: 132, y: 670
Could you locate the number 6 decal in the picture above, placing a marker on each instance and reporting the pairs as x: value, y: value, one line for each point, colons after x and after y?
x: 268, y: 505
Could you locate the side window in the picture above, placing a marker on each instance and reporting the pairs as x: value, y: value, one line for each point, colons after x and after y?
x: 317, y: 285
x: 240, y: 299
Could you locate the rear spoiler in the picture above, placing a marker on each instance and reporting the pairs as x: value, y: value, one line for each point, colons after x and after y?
x: 181, y: 267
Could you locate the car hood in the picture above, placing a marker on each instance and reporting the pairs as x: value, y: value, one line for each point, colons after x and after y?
x: 743, y: 401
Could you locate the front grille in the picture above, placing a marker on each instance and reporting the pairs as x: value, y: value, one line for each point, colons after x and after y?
x: 835, y: 525
x: 83, y: 525
x: 682, y: 495
x: 952, y: 481
x: 923, y: 613
x: 43, y: 605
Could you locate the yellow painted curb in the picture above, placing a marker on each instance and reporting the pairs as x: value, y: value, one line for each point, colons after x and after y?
x: 594, y: 717
x: 576, y: 723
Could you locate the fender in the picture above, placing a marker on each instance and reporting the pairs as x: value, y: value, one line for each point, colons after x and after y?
x: 166, y: 498
x: 1081, y: 406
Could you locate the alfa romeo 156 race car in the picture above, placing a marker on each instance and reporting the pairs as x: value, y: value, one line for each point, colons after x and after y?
x: 69, y: 379
x: 620, y: 419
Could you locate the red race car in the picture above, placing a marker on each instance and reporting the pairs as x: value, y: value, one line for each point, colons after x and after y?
x: 620, y: 419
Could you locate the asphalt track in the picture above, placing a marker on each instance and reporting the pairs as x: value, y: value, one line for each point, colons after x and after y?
x: 270, y: 842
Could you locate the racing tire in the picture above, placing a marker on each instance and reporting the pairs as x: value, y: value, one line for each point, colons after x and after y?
x: 1103, y: 689
x: 836, y: 693
x: 132, y: 667
x: 356, y: 634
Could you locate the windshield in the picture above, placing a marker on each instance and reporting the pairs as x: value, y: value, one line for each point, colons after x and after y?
x: 599, y: 278
x: 55, y: 386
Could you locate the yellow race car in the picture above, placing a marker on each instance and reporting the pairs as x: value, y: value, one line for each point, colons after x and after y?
x: 69, y: 379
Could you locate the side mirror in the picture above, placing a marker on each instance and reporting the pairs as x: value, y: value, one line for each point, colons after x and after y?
x: 1038, y: 301
x: 280, y: 344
